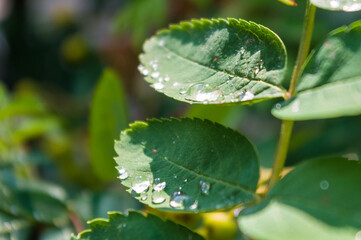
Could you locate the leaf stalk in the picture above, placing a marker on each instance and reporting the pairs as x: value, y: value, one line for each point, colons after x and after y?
x: 287, y: 126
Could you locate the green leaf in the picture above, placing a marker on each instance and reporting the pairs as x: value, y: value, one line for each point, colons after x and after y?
x: 33, y: 200
x: 215, y: 61
x: 320, y: 200
x: 108, y: 116
x: 330, y: 85
x: 338, y: 5
x: 135, y: 226
x: 187, y: 165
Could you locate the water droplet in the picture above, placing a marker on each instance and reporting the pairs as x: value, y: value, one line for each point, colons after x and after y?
x: 123, y: 174
x: 182, y: 91
x: 178, y: 199
x: 256, y: 71
x: 194, y: 205
x: 295, y: 106
x: 180, y: 188
x: 160, y: 79
x: 261, y: 64
x: 155, y: 75
x: 175, y: 84
x: 242, y: 50
x: 158, y: 86
x: 203, y: 93
x: 143, y: 197
x: 173, y: 142
x: 169, y: 56
x: 166, y: 78
x: 161, y: 43
x: 185, y: 180
x: 175, y: 176
x: 246, y: 95
x: 358, y: 236
x: 205, y: 187
x: 154, y: 64
x: 143, y: 70
x: 124, y: 225
x: 140, y: 185
x: 278, y: 106
x: 160, y: 186
x: 324, y: 185
x: 158, y: 200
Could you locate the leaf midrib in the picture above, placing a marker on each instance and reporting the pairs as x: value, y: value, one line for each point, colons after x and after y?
x: 196, y: 173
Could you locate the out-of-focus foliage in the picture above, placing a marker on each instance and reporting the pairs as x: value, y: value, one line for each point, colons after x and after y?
x: 52, y: 54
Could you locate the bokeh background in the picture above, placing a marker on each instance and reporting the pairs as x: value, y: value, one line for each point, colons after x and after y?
x: 52, y: 55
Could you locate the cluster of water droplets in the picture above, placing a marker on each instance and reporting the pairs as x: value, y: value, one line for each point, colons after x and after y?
x: 123, y: 174
x: 158, y: 195
x: 159, y: 81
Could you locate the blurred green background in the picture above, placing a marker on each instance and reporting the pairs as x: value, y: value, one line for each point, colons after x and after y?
x: 52, y: 56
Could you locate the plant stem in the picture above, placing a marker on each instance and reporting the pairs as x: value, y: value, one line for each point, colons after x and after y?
x: 286, y: 127
x: 304, y: 46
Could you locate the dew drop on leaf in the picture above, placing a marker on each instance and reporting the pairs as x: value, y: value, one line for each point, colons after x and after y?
x: 143, y: 70
x: 140, y: 185
x: 143, y: 197
x: 194, y: 206
x: 155, y: 75
x: 200, y: 92
x: 324, y: 185
x: 158, y: 200
x: 178, y: 199
x: 123, y: 174
x: 160, y: 186
x: 205, y: 187
x: 246, y: 95
x: 158, y: 86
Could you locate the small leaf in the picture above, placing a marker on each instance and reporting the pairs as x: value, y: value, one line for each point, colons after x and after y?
x: 338, y: 5
x: 135, y: 226
x: 320, y: 200
x: 215, y: 61
x: 330, y: 85
x: 187, y: 165
x: 108, y: 116
x: 289, y: 2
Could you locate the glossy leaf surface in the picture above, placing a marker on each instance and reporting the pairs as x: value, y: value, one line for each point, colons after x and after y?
x: 135, y: 226
x: 330, y: 85
x: 187, y: 165
x: 318, y: 200
x: 215, y: 61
